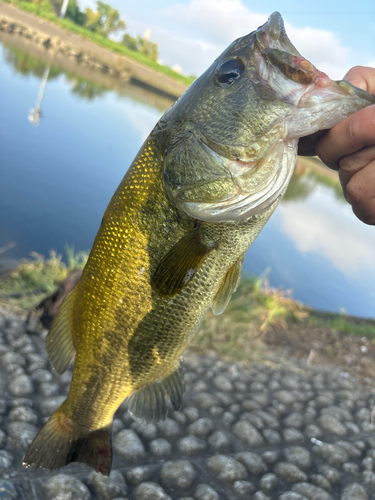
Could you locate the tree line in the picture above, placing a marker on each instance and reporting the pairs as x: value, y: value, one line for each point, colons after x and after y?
x: 106, y: 21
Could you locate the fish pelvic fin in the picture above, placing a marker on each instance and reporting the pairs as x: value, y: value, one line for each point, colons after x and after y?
x: 62, y: 441
x: 59, y: 341
x: 228, y: 287
x: 151, y: 402
x: 180, y: 264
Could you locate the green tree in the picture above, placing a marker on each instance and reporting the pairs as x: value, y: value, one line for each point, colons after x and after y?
x: 105, y: 21
x: 92, y: 20
x: 149, y: 49
x: 129, y: 42
x: 72, y: 12
x: 87, y: 89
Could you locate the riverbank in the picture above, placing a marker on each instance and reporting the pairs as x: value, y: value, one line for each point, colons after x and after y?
x: 26, y: 53
x: 258, y: 321
x: 55, y: 41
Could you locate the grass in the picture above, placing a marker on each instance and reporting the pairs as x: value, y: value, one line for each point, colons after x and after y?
x: 255, y: 308
x: 35, y: 278
x: 345, y: 324
x: 237, y: 334
x: 68, y: 25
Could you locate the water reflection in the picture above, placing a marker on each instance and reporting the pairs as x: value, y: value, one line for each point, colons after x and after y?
x: 312, y: 231
x: 30, y: 59
x: 36, y: 113
x: 57, y: 180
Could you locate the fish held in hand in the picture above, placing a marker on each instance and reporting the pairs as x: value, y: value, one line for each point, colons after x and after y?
x: 172, y: 240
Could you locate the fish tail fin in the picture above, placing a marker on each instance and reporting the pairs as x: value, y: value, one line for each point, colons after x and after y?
x: 62, y: 441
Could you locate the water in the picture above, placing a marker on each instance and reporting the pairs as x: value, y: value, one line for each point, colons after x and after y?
x: 57, y: 179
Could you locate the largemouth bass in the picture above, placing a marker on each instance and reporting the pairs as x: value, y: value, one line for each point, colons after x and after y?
x: 172, y: 240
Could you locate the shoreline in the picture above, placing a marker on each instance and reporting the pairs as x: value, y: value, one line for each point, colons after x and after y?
x: 71, y: 66
x: 56, y: 41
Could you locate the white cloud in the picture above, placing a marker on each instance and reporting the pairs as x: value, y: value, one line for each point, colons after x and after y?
x: 192, y: 33
x: 317, y: 225
x: 222, y: 21
x: 193, y: 55
x: 322, y: 48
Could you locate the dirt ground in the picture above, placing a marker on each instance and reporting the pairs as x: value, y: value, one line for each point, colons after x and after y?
x: 325, y: 347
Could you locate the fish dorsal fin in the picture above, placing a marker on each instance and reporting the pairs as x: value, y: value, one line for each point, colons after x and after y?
x: 228, y: 287
x: 180, y: 264
x: 150, y: 403
x: 59, y: 341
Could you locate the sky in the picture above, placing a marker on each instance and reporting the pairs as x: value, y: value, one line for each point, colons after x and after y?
x: 192, y: 33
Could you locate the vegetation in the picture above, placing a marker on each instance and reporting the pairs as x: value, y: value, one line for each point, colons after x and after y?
x: 254, y: 311
x: 141, y: 45
x: 35, y: 278
x: 105, y: 21
x: 309, y: 173
x: 345, y: 324
x: 96, y: 27
x: 26, y: 64
x: 72, y: 11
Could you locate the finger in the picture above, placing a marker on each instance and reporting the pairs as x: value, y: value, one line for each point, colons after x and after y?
x: 362, y: 77
x: 360, y: 193
x: 347, y: 137
x: 306, y: 145
x: 351, y: 164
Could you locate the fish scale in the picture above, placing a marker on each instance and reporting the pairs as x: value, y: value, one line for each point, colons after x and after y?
x: 173, y: 237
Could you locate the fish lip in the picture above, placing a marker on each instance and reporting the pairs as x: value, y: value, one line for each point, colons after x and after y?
x: 355, y: 91
x: 331, y: 90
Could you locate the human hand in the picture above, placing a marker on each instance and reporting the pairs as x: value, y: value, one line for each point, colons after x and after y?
x: 349, y: 147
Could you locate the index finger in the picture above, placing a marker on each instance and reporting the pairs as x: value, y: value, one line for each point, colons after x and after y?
x: 362, y: 77
x: 347, y: 137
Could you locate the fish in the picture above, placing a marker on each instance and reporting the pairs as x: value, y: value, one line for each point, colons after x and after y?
x: 172, y: 240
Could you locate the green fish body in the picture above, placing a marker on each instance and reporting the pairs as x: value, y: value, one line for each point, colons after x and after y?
x: 172, y: 240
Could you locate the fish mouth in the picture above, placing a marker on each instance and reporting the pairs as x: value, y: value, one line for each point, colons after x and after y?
x: 325, y: 90
x: 272, y: 34
x: 292, y: 78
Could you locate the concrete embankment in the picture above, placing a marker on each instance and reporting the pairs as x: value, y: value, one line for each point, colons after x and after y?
x: 57, y: 41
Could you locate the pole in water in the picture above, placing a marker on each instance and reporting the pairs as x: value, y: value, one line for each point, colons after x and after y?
x: 35, y: 113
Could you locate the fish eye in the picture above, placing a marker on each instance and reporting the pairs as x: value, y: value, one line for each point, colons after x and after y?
x: 229, y: 71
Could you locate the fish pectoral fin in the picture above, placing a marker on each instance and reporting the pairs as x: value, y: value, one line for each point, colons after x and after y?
x: 59, y: 341
x: 151, y: 402
x: 181, y: 263
x: 228, y: 287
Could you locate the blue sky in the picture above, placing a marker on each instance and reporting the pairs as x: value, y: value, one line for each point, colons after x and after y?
x: 191, y: 33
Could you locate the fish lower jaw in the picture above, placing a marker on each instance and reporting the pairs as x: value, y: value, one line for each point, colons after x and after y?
x: 245, y: 205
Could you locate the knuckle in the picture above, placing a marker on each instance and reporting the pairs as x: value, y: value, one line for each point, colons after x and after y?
x: 355, y: 192
x: 323, y: 151
x: 360, y: 127
x: 353, y: 130
x: 354, y: 72
x: 346, y: 164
